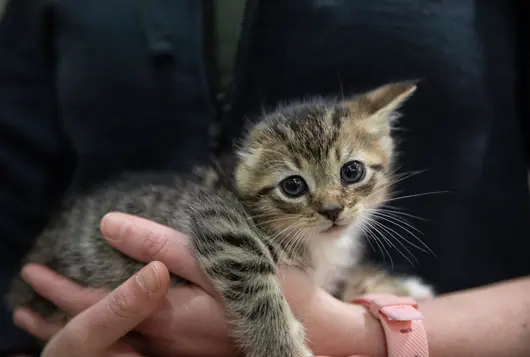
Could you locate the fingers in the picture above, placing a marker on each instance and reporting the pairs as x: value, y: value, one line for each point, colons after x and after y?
x: 64, y: 293
x: 146, y: 241
x: 99, y: 327
x: 34, y: 324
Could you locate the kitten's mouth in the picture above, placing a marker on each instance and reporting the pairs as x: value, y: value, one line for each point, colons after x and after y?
x: 334, y: 229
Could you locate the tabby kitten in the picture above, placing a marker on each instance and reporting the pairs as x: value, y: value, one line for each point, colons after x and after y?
x: 295, y: 192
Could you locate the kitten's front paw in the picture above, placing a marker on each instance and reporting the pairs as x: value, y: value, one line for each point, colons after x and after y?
x: 303, y: 352
x: 298, y: 337
x: 280, y: 341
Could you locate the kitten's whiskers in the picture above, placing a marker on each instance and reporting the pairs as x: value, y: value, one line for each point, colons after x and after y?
x: 373, y: 233
x: 296, y: 240
x: 400, y: 213
x: 413, y: 196
x: 391, y: 233
x: 279, y: 219
x: 293, y: 230
x: 403, y: 177
x: 400, y: 223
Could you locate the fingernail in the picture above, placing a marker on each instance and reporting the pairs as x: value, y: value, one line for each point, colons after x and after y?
x: 113, y: 228
x: 148, y: 278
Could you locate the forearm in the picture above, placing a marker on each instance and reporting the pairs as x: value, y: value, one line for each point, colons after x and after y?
x: 490, y: 321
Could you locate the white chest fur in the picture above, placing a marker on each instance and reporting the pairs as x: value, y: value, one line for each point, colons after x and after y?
x: 332, y: 256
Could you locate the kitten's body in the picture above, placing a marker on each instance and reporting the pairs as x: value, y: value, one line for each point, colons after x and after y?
x: 241, y: 221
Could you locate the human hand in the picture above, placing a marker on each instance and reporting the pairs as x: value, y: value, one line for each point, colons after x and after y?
x: 98, y: 330
x: 192, y: 322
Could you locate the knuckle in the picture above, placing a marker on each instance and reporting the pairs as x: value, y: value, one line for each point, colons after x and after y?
x: 121, y: 305
x: 153, y: 244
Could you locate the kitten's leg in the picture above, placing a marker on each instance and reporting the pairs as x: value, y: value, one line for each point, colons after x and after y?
x: 243, y: 271
x: 370, y: 279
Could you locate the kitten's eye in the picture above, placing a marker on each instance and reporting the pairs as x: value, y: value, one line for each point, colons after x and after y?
x: 352, y: 172
x: 293, y: 186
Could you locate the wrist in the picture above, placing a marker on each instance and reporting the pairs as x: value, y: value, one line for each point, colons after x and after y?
x: 401, y: 321
x: 334, y: 328
x: 340, y: 329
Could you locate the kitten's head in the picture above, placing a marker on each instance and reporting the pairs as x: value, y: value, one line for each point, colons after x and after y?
x: 314, y: 167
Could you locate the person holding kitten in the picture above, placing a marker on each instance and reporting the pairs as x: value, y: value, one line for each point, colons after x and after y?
x: 86, y: 96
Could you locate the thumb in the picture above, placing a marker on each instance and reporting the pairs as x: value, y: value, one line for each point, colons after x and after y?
x: 101, y: 326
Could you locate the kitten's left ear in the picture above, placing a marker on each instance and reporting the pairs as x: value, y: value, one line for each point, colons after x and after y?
x: 385, y: 100
x: 380, y: 104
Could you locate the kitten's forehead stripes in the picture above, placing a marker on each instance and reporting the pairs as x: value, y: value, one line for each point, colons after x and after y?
x: 314, y: 134
x: 297, y: 162
x: 338, y: 114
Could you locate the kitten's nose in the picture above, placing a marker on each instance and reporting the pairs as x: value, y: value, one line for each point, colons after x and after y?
x: 331, y: 212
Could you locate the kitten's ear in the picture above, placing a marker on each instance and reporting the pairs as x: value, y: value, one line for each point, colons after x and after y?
x: 388, y: 98
x: 382, y: 103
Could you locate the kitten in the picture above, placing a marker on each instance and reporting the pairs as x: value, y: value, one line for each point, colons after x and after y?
x: 295, y: 192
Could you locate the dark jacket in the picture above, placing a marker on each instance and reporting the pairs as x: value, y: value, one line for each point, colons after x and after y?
x: 92, y: 88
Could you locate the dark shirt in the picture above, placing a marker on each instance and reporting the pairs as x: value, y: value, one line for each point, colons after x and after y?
x: 92, y: 88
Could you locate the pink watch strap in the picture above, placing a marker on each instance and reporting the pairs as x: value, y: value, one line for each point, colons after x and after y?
x: 402, y: 323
